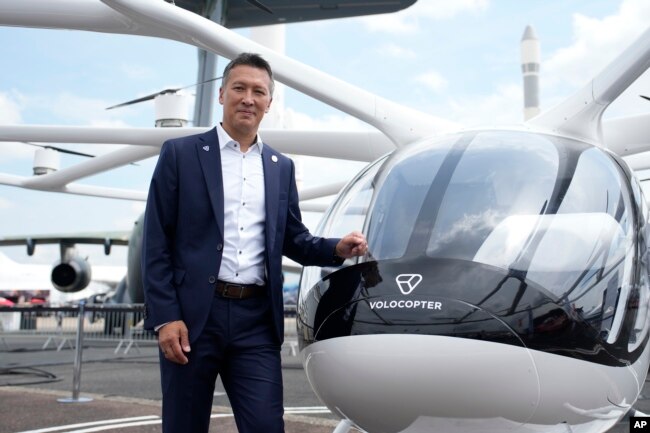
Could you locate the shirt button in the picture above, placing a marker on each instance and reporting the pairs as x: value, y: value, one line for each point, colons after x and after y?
x: 243, y: 204
x: 219, y: 247
x: 241, y: 228
x: 211, y: 280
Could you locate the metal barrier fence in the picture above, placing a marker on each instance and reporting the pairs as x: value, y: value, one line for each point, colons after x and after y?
x: 121, y: 324
x: 58, y: 326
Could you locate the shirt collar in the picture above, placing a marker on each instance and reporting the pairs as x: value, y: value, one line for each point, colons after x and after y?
x: 225, y: 139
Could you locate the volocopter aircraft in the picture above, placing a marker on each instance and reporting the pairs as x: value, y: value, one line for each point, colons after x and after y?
x: 506, y: 288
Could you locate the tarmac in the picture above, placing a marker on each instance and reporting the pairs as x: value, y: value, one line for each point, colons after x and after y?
x: 124, y: 394
x: 123, y: 391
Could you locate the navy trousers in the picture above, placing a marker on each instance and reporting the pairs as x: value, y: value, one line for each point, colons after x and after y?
x: 239, y: 344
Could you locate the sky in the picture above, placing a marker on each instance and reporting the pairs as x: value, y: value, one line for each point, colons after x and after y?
x: 458, y: 60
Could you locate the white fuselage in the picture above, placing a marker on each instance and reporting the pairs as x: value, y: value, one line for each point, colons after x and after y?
x: 423, y: 383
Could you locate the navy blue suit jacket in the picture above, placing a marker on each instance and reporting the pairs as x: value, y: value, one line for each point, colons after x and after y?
x: 183, y: 232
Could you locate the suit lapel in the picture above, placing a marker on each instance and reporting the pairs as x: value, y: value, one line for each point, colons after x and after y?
x: 209, y: 155
x: 271, y: 166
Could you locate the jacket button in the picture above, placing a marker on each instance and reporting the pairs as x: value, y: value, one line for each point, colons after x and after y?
x: 211, y: 280
x: 219, y: 247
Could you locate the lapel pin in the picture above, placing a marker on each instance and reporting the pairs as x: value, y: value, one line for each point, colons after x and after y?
x: 274, y: 158
x: 206, y: 148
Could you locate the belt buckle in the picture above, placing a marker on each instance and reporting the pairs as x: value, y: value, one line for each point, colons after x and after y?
x: 226, y: 292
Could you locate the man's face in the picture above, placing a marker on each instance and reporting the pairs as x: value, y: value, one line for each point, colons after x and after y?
x: 246, y: 97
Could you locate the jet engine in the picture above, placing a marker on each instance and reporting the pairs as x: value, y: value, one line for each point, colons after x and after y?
x: 71, y: 274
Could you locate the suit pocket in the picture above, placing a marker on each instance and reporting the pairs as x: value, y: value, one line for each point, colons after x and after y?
x: 179, y: 276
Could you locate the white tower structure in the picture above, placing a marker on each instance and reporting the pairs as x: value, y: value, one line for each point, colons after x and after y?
x: 530, y: 58
x: 274, y: 37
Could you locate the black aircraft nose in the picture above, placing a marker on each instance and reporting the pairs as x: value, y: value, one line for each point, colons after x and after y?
x: 445, y: 297
x: 414, y: 313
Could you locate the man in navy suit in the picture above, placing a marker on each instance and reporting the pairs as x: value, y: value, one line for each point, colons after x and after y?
x: 222, y: 210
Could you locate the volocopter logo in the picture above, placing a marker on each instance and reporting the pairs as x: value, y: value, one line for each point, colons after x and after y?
x: 408, y: 282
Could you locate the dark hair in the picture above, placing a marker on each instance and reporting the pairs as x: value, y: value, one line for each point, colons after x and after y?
x: 249, y: 59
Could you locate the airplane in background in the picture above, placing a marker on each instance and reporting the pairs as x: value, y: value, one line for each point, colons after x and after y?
x: 506, y: 286
x: 32, y: 283
x: 71, y: 273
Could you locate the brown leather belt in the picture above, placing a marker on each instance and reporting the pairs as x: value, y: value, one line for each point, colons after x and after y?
x: 239, y: 291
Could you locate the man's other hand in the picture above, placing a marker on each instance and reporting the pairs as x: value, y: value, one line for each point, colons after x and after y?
x: 174, y: 341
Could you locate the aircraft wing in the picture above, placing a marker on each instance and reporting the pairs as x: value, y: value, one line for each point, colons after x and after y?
x: 107, y: 239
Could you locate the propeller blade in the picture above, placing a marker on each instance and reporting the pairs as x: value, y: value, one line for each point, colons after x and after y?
x: 260, y: 5
x: 203, y: 82
x: 142, y: 99
x: 162, y: 92
x: 645, y: 97
x: 68, y: 151
x: 60, y: 149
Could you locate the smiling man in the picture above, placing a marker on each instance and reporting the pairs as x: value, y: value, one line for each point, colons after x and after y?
x: 222, y: 210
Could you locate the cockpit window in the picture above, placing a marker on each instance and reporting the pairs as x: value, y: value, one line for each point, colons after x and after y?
x: 400, y: 200
x: 346, y: 214
x: 552, y: 214
x: 496, y: 177
x: 444, y: 200
x: 553, y: 211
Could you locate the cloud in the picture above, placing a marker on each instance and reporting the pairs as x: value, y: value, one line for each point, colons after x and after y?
x: 6, y: 204
x: 137, y: 72
x: 75, y: 109
x: 10, y: 113
x: 504, y: 107
x: 432, y: 80
x: 13, y: 150
x: 394, y: 50
x: 68, y: 108
x: 596, y: 42
x: 408, y: 20
x: 9, y: 109
x: 127, y: 217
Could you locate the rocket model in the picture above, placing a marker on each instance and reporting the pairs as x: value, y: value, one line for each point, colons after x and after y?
x: 530, y: 56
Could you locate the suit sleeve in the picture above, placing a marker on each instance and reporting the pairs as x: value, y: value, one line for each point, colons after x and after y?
x: 161, y: 303
x: 299, y: 244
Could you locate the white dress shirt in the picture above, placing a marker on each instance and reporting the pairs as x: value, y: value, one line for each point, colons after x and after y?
x: 244, y: 211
